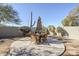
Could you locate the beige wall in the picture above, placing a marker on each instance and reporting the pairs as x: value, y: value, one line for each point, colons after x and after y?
x: 14, y: 31
x: 10, y: 32
x: 73, y: 32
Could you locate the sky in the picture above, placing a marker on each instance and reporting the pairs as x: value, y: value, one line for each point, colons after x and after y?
x: 50, y: 13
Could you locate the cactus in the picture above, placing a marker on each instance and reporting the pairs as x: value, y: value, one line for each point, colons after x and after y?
x: 31, y: 22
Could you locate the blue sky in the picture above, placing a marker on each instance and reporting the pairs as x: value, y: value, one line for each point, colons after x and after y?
x: 51, y: 14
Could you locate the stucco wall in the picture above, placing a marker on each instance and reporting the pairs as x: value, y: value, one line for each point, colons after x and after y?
x: 15, y: 32
x: 73, y: 32
x: 10, y: 32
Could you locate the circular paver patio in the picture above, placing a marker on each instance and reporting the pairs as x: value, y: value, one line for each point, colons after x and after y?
x: 27, y: 48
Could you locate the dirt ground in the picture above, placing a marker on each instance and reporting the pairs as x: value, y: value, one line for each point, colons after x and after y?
x: 5, y: 45
x: 72, y: 46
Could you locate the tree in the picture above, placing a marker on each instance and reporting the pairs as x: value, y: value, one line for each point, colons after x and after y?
x: 39, y: 25
x: 52, y: 29
x: 45, y: 30
x: 67, y: 22
x: 8, y: 14
x: 73, y: 18
x: 40, y: 28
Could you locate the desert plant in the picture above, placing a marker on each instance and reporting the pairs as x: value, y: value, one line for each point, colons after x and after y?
x: 45, y: 30
x: 31, y: 22
x: 73, y: 18
x: 62, y: 31
x: 52, y: 29
x: 25, y: 30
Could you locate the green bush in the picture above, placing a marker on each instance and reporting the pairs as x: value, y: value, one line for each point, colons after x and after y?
x: 62, y: 31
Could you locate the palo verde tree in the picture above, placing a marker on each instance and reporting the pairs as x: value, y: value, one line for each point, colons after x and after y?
x: 8, y: 14
x: 73, y: 18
